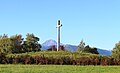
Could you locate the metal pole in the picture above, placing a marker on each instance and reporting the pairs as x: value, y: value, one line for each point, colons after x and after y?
x: 58, y: 35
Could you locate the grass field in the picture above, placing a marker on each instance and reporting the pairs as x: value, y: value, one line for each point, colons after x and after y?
x: 58, y: 69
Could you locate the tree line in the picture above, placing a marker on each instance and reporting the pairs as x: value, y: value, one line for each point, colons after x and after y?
x: 86, y: 49
x: 17, y: 44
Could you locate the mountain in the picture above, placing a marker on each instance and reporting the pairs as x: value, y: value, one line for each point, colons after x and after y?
x: 101, y: 51
x: 104, y: 52
x: 70, y: 47
x: 49, y: 43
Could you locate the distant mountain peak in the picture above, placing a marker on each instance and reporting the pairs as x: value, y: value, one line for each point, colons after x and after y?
x: 50, y: 42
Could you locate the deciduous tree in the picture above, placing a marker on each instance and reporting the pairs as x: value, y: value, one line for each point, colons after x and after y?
x: 31, y: 43
x: 116, y: 51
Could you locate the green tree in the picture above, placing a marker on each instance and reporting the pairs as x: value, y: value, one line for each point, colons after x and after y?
x: 5, y: 44
x: 89, y: 49
x: 86, y: 49
x: 81, y: 46
x: 116, y: 51
x: 17, y: 41
x: 31, y: 43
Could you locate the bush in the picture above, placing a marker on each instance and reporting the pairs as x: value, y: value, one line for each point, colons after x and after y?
x: 57, y: 58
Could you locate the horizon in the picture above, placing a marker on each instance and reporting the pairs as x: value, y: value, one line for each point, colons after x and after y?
x: 96, y: 22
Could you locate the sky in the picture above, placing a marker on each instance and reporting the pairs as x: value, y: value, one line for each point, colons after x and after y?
x: 97, y: 22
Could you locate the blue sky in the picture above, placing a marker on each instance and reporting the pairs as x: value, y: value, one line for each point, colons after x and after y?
x: 95, y: 21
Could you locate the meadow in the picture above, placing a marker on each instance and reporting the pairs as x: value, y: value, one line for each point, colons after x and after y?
x: 57, y: 69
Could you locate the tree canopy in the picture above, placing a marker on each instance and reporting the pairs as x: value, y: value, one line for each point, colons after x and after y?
x: 17, y: 44
x: 116, y: 51
x: 86, y: 49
